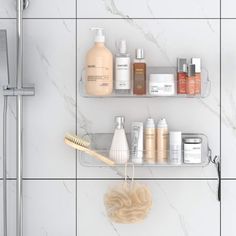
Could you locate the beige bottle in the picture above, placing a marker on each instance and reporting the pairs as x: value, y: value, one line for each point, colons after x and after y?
x: 162, y: 142
x: 150, y: 141
x: 99, y: 67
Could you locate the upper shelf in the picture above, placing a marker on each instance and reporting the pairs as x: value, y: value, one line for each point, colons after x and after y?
x: 205, y: 86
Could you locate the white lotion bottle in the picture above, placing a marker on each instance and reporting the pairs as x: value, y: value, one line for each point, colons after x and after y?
x: 175, y: 147
x: 122, y: 69
x: 119, y: 151
x: 99, y: 67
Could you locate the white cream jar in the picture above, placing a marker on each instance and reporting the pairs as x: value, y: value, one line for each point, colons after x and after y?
x: 162, y: 84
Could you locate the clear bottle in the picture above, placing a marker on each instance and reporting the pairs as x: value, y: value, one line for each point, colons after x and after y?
x: 99, y: 67
x: 190, y: 82
x: 122, y: 69
x: 198, y: 80
x: 119, y: 151
x: 139, y: 73
x: 162, y: 141
x: 181, y: 75
x: 150, y: 141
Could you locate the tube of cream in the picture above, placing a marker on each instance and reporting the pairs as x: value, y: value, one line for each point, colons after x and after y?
x: 137, y: 142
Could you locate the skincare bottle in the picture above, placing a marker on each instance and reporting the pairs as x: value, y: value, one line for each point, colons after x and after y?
x: 139, y: 73
x: 190, y: 82
x: 175, y: 148
x: 119, y: 151
x: 122, y: 69
x: 150, y: 141
x: 99, y: 67
x: 162, y: 141
x: 181, y: 75
x: 137, y: 142
x: 197, y: 63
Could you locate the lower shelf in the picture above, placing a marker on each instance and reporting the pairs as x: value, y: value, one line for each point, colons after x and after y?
x: 101, y: 143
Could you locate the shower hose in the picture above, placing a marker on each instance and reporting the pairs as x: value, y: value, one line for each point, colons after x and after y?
x: 5, y: 166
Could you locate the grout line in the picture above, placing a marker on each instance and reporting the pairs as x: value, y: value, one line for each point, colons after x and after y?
x: 103, y: 178
x: 76, y: 120
x: 220, y: 180
x: 131, y: 18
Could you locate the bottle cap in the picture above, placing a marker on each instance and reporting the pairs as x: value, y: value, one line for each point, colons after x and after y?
x: 150, y: 123
x: 175, y: 137
x: 197, y: 63
x: 162, y: 123
x: 191, y: 70
x: 181, y: 65
x: 99, y: 38
x: 122, y: 47
x: 139, y: 53
x: 120, y: 121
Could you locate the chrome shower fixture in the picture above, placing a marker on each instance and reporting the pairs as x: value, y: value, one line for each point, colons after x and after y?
x: 19, y: 91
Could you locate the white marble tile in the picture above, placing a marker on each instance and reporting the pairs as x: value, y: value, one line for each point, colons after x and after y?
x: 10, y: 26
x: 148, y: 8
x: 179, y: 208
x: 51, y: 9
x: 49, y: 63
x: 162, y: 47
x: 40, y: 9
x: 228, y: 99
x: 11, y: 207
x: 228, y: 8
x: 49, y: 208
x: 7, y: 8
x: 228, y: 207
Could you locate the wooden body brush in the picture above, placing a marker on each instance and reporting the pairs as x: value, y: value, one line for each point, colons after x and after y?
x: 83, y: 146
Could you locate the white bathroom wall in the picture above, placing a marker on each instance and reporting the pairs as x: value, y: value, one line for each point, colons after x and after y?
x: 63, y: 197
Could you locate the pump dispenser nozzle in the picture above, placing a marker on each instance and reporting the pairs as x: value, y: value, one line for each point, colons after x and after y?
x: 99, y: 38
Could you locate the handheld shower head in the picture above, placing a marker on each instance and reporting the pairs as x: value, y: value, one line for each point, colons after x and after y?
x: 4, y: 66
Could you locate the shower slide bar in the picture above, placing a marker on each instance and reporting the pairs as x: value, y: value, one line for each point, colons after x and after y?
x: 19, y: 92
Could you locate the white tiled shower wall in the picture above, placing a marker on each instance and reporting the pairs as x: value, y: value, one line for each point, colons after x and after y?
x: 56, y: 38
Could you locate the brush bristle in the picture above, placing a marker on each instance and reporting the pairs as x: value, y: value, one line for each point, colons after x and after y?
x: 77, y: 140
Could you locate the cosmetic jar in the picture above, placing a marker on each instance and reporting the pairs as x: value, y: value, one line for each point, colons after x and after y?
x: 192, y: 150
x: 161, y: 84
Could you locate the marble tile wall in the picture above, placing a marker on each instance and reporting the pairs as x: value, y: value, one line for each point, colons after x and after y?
x: 64, y: 197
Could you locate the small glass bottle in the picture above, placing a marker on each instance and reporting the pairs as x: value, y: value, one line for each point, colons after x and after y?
x: 122, y: 69
x: 181, y: 75
x: 198, y: 83
x: 190, y: 82
x: 139, y: 73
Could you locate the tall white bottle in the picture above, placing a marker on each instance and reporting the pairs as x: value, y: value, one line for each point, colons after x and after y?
x: 119, y: 151
x: 122, y: 69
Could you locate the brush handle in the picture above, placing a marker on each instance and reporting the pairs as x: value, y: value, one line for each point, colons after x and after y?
x: 90, y: 152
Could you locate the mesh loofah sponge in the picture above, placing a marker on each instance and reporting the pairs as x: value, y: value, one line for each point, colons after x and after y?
x: 128, y: 202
